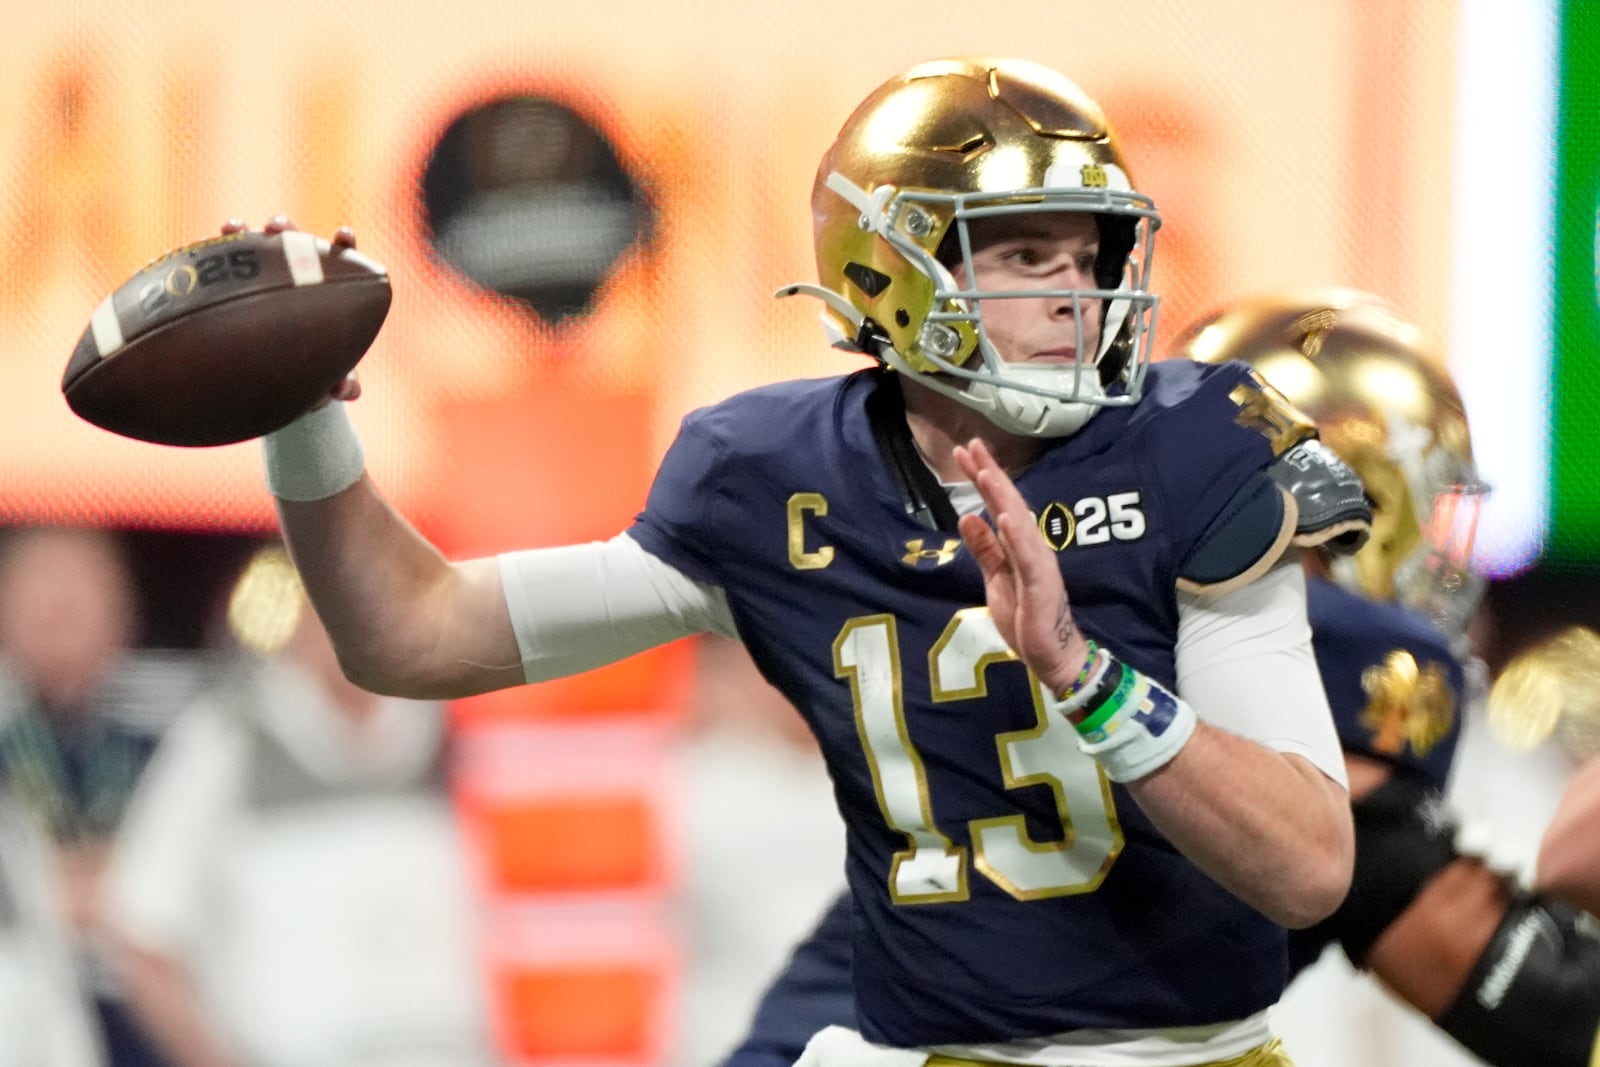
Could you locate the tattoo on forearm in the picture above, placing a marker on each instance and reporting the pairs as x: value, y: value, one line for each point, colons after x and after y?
x: 1065, y: 627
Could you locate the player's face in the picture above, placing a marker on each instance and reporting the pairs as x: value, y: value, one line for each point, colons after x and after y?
x: 1049, y: 250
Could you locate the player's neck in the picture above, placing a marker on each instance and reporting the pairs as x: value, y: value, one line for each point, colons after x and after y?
x: 938, y: 424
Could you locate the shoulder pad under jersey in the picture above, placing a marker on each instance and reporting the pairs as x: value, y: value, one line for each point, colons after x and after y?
x: 1244, y: 540
x: 1334, y: 510
x: 1307, y: 496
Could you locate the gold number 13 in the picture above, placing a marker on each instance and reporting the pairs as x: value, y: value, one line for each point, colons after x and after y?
x: 933, y: 868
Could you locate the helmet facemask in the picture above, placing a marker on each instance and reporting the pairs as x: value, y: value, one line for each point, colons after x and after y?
x: 1051, y: 399
x: 1437, y: 578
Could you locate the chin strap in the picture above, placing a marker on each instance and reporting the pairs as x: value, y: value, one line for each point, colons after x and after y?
x: 870, y: 205
x: 867, y: 332
x: 1016, y: 411
x: 827, y: 296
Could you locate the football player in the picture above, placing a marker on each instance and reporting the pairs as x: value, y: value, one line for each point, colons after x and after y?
x: 1076, y: 830
x: 1513, y: 974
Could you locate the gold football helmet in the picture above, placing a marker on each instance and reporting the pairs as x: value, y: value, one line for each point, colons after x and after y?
x: 955, y: 140
x: 1382, y: 399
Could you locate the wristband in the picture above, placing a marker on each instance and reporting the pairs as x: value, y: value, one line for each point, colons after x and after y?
x: 1090, y: 662
x: 314, y: 457
x: 1086, y: 687
x: 1129, y: 723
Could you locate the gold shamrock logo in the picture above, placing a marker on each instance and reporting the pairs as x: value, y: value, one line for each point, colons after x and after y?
x: 1407, y: 704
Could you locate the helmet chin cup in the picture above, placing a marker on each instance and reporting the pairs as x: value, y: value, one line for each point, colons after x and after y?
x: 1019, y: 410
x: 1028, y: 414
x: 1031, y: 414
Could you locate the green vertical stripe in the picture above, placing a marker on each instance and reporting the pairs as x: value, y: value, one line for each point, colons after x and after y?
x: 1575, y: 440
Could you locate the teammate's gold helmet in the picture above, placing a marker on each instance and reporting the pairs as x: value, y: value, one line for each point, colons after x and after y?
x: 1381, y: 397
x: 929, y: 151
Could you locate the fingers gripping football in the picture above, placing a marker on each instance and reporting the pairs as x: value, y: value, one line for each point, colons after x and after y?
x: 229, y: 338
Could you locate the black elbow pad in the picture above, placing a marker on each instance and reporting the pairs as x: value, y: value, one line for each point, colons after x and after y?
x: 1333, y: 509
x: 1402, y: 841
x: 1533, y: 999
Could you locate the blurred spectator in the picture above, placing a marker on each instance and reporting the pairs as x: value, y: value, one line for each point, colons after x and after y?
x: 289, y: 887
x: 44, y: 1016
x: 80, y: 714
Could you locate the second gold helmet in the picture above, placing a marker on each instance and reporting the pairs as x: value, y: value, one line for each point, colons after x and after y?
x: 1379, y: 392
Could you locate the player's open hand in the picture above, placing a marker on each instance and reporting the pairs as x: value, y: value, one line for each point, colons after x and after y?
x: 1021, y: 578
x: 349, y: 388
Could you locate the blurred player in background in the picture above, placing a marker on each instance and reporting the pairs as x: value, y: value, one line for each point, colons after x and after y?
x: 289, y: 888
x: 1087, y: 856
x: 1510, y: 971
x: 80, y: 715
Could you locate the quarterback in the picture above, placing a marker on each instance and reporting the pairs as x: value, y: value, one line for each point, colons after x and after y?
x: 1038, y: 599
x: 1511, y: 972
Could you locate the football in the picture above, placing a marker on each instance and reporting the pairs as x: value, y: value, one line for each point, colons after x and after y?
x: 226, y: 339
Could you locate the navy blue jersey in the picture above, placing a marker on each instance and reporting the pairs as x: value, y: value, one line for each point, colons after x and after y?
x: 1003, y: 887
x: 1393, y: 683
x: 1361, y: 649
x: 811, y: 993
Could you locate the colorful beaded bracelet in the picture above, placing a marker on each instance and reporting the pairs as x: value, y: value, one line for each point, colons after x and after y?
x: 1082, y: 679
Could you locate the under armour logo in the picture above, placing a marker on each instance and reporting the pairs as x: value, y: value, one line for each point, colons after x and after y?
x: 919, y: 555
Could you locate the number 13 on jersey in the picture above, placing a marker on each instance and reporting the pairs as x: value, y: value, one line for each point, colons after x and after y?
x: 933, y: 868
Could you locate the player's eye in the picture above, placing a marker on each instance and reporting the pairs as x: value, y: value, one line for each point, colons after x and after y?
x: 1022, y: 256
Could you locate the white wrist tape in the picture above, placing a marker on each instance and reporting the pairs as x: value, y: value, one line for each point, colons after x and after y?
x: 315, y: 456
x: 1131, y: 730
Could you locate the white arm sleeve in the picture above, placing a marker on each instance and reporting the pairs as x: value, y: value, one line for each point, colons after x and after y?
x: 583, y: 606
x: 1245, y: 665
